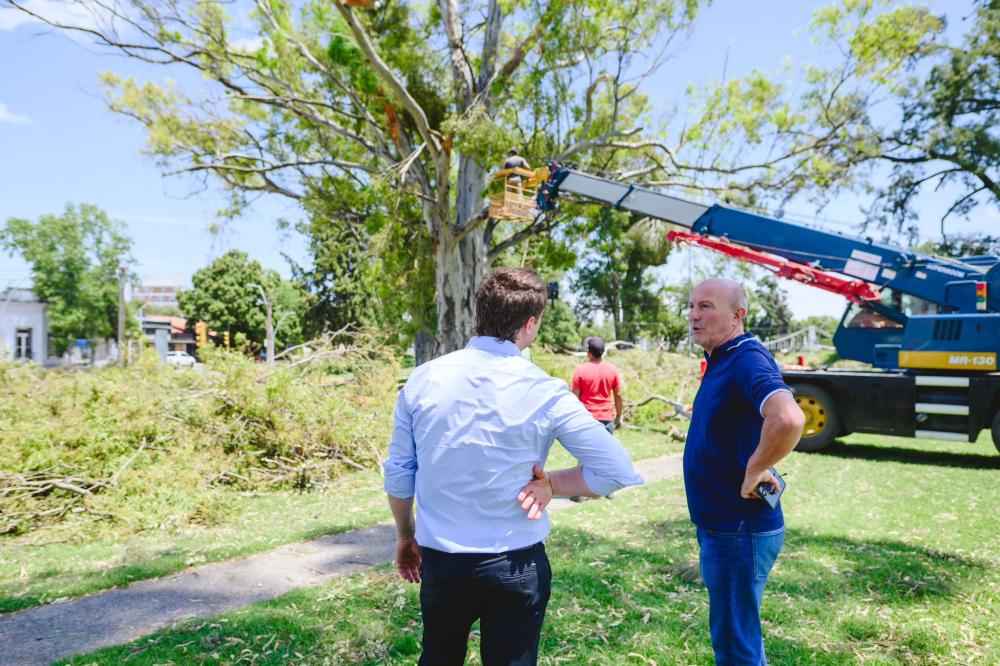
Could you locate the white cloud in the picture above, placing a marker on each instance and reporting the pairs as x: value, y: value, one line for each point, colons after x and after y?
x: 7, y: 116
x: 83, y: 13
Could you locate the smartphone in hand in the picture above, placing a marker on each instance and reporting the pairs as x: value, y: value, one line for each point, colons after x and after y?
x: 768, y: 493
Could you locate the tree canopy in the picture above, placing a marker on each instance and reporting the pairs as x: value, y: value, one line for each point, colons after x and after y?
x: 948, y: 131
x: 224, y: 295
x: 75, y: 258
x: 613, y: 275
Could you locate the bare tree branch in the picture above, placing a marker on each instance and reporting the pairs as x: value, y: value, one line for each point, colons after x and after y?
x: 389, y: 78
x: 541, y: 224
x: 461, y: 68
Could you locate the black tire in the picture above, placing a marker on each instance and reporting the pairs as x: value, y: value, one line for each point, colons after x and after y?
x: 996, y: 430
x: 822, y: 418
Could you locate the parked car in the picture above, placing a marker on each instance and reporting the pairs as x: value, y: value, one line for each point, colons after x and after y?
x: 181, y: 359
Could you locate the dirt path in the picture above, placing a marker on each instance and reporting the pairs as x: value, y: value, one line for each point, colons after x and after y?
x: 47, y: 633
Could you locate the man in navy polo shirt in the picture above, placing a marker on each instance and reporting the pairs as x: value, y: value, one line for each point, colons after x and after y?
x: 744, y: 421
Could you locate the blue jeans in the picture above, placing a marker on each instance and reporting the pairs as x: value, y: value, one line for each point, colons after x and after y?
x: 609, y: 426
x: 506, y: 592
x: 735, y: 566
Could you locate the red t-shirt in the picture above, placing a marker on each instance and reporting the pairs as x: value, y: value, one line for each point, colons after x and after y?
x: 595, y: 380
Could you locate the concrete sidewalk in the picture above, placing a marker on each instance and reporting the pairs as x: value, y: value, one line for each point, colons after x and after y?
x: 41, y: 635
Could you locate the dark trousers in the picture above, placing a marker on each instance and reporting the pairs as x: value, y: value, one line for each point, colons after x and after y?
x: 507, y: 592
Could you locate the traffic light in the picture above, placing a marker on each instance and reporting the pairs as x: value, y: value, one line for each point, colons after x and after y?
x: 981, y: 296
x: 201, y: 334
x: 225, y: 339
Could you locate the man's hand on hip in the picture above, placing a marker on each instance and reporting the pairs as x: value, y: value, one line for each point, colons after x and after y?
x: 408, y: 559
x: 535, y: 496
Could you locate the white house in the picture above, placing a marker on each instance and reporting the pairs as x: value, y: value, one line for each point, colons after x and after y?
x: 24, y: 329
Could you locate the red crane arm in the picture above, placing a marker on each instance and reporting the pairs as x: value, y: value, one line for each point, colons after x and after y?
x: 856, y: 291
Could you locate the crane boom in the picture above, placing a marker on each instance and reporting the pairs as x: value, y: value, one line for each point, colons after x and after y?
x: 855, y: 291
x: 953, y: 285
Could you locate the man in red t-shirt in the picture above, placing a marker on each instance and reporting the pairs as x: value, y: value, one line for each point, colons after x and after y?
x: 594, y: 383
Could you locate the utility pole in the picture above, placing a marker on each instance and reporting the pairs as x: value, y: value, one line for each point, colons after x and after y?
x: 121, y: 315
x: 268, y: 307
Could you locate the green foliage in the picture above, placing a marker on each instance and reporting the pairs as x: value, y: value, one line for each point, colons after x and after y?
x: 643, y: 373
x: 673, y: 314
x: 309, y: 115
x: 370, y: 262
x: 74, y: 259
x: 223, y: 296
x: 416, y: 104
x: 825, y: 327
x: 946, y: 131
x: 963, y: 245
x: 613, y: 276
x: 560, y: 327
x: 173, y: 439
x: 769, y: 315
x: 162, y: 310
x: 478, y: 135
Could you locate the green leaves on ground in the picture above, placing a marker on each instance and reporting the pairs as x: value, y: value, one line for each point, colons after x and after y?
x: 158, y: 446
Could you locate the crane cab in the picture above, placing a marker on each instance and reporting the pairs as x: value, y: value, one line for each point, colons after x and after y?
x: 512, y: 193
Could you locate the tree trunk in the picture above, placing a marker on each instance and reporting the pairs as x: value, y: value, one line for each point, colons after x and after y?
x: 617, y: 315
x: 269, y: 341
x: 423, y: 347
x: 459, y: 266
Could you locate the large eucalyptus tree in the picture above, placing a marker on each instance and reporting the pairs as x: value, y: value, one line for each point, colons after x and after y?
x: 409, y: 105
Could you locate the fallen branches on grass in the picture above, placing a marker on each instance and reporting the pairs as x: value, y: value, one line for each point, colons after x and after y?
x: 71, y: 445
x: 36, y: 494
x: 679, y: 408
x: 39, y: 490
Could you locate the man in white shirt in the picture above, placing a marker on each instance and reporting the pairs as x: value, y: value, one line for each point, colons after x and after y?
x: 470, y: 429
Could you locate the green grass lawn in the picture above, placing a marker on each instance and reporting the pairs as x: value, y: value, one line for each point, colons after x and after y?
x: 50, y: 565
x: 891, y: 557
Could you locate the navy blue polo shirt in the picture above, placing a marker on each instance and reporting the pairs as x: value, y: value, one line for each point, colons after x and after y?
x: 725, y: 431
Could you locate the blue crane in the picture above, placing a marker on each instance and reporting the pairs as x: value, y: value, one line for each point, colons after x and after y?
x: 934, y: 333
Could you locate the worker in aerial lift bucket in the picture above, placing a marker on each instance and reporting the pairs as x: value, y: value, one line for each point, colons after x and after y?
x: 515, y: 161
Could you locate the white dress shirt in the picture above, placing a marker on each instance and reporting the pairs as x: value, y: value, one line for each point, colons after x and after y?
x: 468, y: 428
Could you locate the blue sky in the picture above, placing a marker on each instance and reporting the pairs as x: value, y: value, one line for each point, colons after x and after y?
x: 59, y: 143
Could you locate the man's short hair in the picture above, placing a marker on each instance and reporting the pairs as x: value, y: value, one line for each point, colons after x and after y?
x: 595, y: 346
x: 512, y: 151
x: 505, y: 299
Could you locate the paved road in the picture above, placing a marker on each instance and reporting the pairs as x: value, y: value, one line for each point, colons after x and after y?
x: 41, y: 635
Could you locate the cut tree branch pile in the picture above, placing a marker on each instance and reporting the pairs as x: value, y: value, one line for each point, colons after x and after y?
x: 41, y: 491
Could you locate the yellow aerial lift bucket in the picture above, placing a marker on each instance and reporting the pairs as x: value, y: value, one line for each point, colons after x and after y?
x: 512, y: 193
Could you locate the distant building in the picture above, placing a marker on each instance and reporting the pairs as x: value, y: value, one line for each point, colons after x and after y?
x: 24, y: 327
x: 167, y: 333
x: 159, y: 291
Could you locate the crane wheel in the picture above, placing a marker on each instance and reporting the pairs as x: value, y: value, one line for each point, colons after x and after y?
x: 822, y: 420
